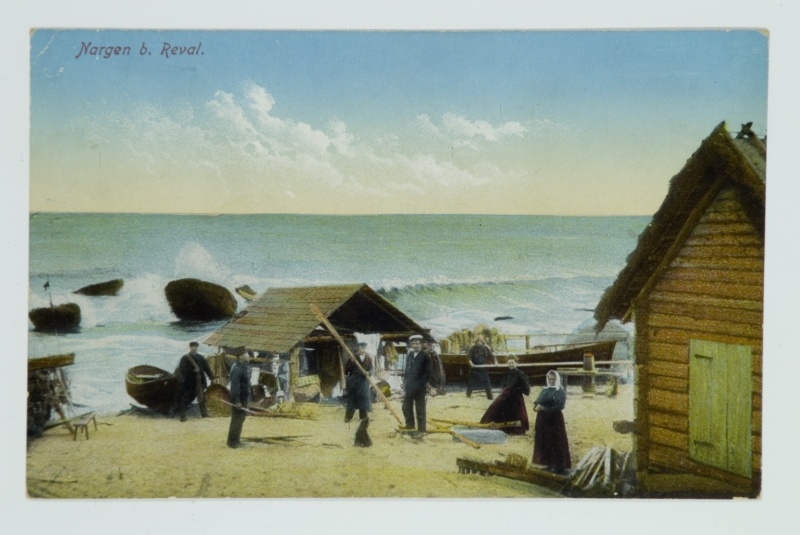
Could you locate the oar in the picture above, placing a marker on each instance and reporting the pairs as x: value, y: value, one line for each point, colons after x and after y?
x: 491, y: 425
x: 321, y: 317
x: 459, y: 436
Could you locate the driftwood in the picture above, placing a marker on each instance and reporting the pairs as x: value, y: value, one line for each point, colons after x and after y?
x: 602, y: 472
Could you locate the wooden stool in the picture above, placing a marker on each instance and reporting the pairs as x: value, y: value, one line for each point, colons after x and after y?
x: 82, y: 424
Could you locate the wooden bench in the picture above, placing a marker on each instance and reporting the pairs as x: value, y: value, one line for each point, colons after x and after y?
x: 82, y: 424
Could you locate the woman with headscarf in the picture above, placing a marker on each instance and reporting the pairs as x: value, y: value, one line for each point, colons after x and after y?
x: 510, y: 405
x: 550, y: 445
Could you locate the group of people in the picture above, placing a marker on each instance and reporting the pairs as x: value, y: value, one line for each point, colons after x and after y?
x: 550, y: 444
x: 192, y: 372
x: 551, y: 447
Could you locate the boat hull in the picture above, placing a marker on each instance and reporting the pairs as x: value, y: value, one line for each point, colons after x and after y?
x: 152, y: 387
x: 456, y: 366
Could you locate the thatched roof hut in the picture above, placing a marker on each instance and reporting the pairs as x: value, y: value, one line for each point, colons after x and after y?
x: 694, y: 289
x: 280, y: 321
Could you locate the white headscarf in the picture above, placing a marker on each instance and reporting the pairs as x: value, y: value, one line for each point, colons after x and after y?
x: 557, y: 386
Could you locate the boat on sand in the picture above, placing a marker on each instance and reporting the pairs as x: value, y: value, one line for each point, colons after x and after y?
x: 534, y: 362
x: 152, y: 387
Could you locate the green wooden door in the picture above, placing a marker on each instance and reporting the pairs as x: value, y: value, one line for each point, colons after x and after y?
x: 720, y: 403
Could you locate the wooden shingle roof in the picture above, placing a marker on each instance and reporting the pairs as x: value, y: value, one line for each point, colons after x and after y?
x: 720, y: 161
x: 281, y: 318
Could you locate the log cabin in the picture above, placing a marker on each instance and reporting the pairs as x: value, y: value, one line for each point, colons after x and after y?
x: 693, y: 287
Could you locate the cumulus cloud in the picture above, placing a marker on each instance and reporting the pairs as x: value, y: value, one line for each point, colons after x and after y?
x: 240, y: 144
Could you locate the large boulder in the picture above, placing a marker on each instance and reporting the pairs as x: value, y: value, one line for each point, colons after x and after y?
x: 196, y: 300
x: 109, y: 288
x: 56, y: 319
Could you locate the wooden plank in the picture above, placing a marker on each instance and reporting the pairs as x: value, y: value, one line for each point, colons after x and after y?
x: 668, y: 401
x: 668, y: 437
x: 669, y: 383
x: 728, y: 263
x: 705, y: 301
x: 705, y: 326
x: 718, y: 228
x: 716, y: 276
x: 697, y: 312
x: 532, y: 476
x: 670, y: 420
x: 713, y: 289
x: 687, y: 485
x: 711, y: 250
x: 678, y: 460
x: 680, y: 336
x: 669, y: 352
x: 739, y: 378
x: 739, y: 240
x: 669, y: 369
x: 51, y: 361
x: 708, y: 399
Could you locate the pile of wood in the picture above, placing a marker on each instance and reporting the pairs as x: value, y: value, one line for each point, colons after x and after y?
x: 461, y: 341
x: 48, y: 390
x: 603, y: 472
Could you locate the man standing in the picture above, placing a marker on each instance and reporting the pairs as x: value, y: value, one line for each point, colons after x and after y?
x: 359, y: 394
x: 192, y: 370
x: 240, y: 397
x: 415, y: 380
x: 480, y: 354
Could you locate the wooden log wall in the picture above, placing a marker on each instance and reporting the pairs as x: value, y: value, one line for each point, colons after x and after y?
x: 712, y: 290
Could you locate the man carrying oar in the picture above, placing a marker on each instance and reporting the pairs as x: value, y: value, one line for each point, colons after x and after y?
x: 358, y: 393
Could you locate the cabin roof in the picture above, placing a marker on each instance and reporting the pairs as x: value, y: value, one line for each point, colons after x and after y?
x: 720, y: 161
x: 281, y: 318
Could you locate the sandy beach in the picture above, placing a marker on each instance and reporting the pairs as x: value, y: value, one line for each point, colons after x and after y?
x: 139, y: 456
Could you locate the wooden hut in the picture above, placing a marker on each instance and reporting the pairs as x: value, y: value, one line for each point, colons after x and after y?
x: 281, y: 322
x: 694, y: 289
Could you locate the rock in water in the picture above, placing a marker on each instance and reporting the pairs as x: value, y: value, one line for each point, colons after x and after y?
x: 102, y: 288
x: 196, y: 300
x: 246, y: 292
x: 57, y: 319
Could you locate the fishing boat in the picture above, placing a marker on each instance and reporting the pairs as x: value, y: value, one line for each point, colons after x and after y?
x: 534, y: 362
x: 152, y: 387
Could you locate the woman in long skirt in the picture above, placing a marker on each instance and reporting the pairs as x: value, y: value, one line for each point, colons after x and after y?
x: 550, y: 445
x: 510, y: 405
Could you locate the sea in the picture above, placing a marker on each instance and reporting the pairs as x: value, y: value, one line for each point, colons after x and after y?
x: 543, y: 274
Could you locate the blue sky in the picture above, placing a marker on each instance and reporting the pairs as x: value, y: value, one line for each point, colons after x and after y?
x: 543, y: 122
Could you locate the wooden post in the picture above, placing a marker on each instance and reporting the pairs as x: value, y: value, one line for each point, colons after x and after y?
x: 321, y: 317
x: 341, y: 370
x: 588, y: 381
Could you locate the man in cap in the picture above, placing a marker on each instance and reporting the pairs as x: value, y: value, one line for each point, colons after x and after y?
x: 417, y: 374
x: 240, y: 397
x: 192, y: 371
x: 358, y: 393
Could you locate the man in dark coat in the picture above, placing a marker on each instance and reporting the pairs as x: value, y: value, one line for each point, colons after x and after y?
x: 415, y: 381
x: 240, y: 397
x: 480, y: 354
x: 192, y: 371
x: 437, y: 370
x: 359, y: 394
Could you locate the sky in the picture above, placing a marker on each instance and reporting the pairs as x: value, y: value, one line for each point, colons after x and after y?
x: 350, y: 122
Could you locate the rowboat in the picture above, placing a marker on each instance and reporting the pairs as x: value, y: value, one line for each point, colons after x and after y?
x: 152, y: 387
x: 534, y: 362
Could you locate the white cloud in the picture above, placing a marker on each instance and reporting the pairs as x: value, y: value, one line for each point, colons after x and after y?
x: 239, y: 144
